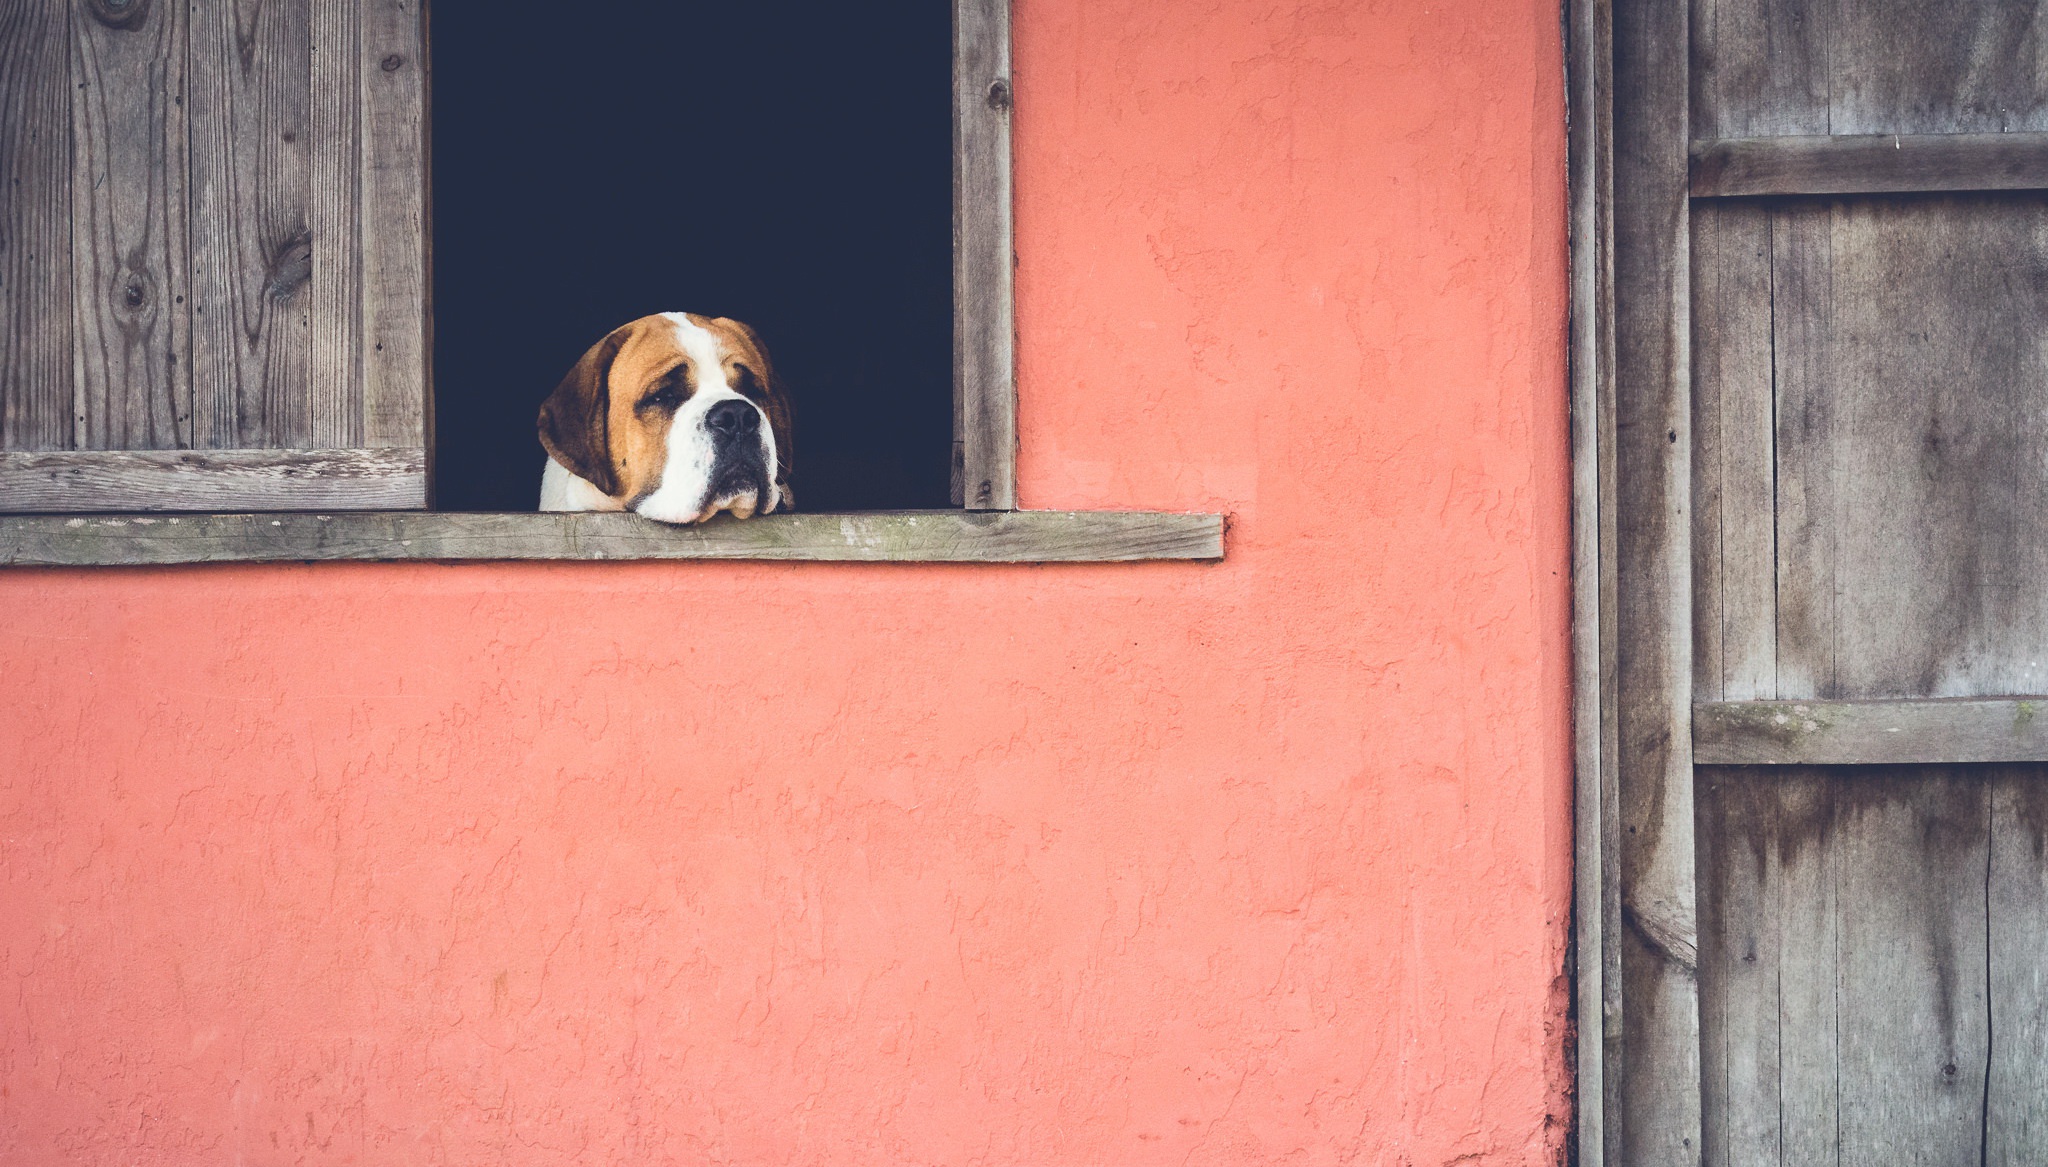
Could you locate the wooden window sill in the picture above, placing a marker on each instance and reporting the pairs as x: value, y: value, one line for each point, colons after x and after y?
x: 387, y: 536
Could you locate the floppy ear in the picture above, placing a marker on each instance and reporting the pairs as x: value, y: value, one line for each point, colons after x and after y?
x: 575, y: 420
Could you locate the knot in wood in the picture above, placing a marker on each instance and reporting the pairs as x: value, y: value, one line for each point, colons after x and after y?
x: 119, y: 13
x: 291, y: 265
x: 999, y: 94
x: 392, y: 63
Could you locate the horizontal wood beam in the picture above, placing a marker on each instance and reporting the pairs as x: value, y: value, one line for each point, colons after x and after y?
x: 89, y: 481
x: 1868, y: 164
x: 897, y: 537
x: 1822, y: 733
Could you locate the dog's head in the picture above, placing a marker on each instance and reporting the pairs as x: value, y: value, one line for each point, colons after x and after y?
x: 676, y: 417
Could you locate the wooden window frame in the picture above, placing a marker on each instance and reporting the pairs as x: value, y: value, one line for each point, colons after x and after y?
x: 988, y: 527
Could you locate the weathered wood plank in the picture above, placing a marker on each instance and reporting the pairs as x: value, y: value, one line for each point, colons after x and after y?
x: 1913, y: 356
x: 1759, y: 68
x: 1798, y: 813
x: 35, y: 225
x: 984, y: 256
x: 1798, y: 733
x: 1766, y: 904
x: 1806, y: 491
x: 249, y: 95
x: 212, y: 480
x: 334, y: 293
x: 905, y: 537
x: 1869, y: 164
x: 1934, y: 66
x: 129, y: 254
x: 1902, y: 67
x: 396, y: 364
x: 1661, y: 1091
x: 1596, y: 805
x: 1910, y: 853
x: 1844, y: 963
x: 1734, y: 517
x: 2016, y: 1129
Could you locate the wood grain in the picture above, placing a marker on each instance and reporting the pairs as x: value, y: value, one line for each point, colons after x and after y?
x: 1769, y: 67
x: 1759, y: 68
x: 1873, y: 952
x: 1597, y: 930
x: 35, y: 226
x: 249, y: 99
x: 1869, y: 164
x: 395, y: 277
x: 334, y: 292
x: 1910, y: 853
x: 1661, y: 1091
x: 212, y: 480
x: 1912, y: 356
x: 2016, y: 1125
x: 1734, y: 457
x: 129, y: 253
x: 1805, y: 491
x: 902, y: 537
x: 984, y: 257
x: 1766, y: 904
x: 1796, y: 733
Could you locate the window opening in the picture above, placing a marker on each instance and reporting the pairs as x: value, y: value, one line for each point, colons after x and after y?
x: 783, y: 162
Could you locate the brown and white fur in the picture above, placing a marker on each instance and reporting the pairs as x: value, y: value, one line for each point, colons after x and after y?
x: 676, y: 417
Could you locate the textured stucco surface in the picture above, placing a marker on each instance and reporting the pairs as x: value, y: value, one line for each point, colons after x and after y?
x: 1258, y: 862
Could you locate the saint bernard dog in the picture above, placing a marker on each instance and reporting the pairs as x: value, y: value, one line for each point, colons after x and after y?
x: 676, y: 417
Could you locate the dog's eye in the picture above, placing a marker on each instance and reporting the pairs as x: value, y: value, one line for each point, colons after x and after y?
x: 745, y: 382
x: 666, y: 394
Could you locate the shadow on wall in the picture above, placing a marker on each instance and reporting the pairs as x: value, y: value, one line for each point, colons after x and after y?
x: 783, y: 162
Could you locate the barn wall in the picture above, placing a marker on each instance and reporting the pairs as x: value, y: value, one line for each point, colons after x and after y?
x: 1257, y: 862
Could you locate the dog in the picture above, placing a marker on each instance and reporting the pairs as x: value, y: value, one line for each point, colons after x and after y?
x: 676, y: 417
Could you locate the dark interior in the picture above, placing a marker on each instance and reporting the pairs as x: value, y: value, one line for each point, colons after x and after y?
x: 783, y: 162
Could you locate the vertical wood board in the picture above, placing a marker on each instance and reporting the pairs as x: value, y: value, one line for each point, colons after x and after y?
x: 132, y: 363
x: 1597, y: 825
x: 250, y: 98
x: 396, y: 316
x: 1734, y: 455
x: 984, y: 256
x: 334, y: 299
x: 1661, y: 1091
x: 35, y: 226
x: 2016, y: 1126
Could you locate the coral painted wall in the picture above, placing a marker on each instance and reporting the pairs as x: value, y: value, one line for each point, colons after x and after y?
x: 1257, y: 862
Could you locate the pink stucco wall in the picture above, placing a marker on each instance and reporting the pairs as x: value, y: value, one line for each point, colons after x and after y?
x: 1257, y: 862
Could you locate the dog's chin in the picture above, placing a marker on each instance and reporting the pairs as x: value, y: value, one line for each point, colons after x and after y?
x: 741, y: 495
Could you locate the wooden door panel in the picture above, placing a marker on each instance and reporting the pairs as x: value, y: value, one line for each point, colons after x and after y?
x: 1871, y: 964
x: 1773, y: 67
x: 1886, y: 539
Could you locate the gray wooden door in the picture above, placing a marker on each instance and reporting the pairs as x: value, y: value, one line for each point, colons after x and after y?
x: 213, y: 280
x: 1829, y: 516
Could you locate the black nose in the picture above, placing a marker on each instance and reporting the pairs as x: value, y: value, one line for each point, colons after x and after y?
x: 732, y: 419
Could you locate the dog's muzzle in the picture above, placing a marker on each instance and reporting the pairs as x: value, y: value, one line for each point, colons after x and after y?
x: 737, y: 465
